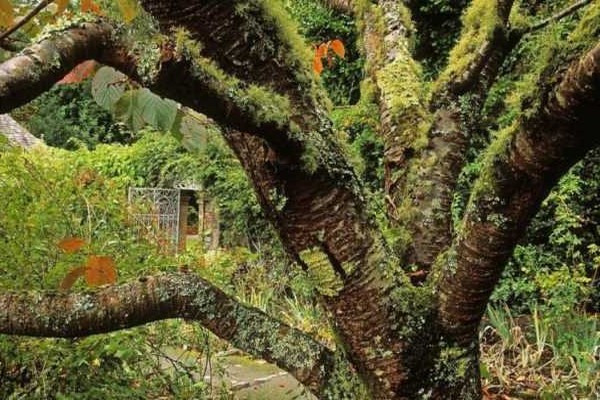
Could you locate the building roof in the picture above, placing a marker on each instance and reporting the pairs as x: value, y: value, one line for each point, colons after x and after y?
x: 16, y: 134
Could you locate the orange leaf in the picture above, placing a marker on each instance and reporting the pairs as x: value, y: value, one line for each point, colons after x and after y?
x: 317, y: 65
x: 100, y: 271
x: 322, y: 50
x: 70, y: 279
x: 90, y: 6
x: 61, y: 6
x: 7, y: 14
x: 71, y: 245
x: 338, y: 48
x: 80, y: 73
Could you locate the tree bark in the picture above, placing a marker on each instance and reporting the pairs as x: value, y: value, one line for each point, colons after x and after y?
x: 251, y: 77
x: 520, y: 170
x: 33, y: 72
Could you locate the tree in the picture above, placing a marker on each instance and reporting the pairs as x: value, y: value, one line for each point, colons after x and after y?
x: 407, y: 312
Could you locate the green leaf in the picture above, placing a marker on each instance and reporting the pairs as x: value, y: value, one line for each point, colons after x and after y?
x: 128, y: 110
x: 190, y: 129
x: 158, y: 112
x: 139, y: 107
x: 108, y: 87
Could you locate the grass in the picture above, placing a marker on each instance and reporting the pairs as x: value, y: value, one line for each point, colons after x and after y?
x: 540, y: 357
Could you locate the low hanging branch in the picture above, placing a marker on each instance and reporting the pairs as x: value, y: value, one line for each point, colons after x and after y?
x: 154, y: 298
x: 29, y: 74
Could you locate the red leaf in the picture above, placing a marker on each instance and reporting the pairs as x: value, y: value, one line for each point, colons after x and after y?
x: 100, y: 271
x: 70, y: 279
x: 71, y: 245
x: 338, y: 48
x: 80, y: 73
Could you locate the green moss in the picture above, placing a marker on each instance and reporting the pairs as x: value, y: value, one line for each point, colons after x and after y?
x: 401, y: 87
x: 343, y: 382
x: 479, y: 22
x: 413, y: 311
x: 297, y: 53
x: 263, y: 105
x: 326, y: 281
x: 588, y: 30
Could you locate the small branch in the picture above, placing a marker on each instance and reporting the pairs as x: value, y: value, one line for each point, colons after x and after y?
x: 558, y: 16
x: 344, y: 6
x: 25, y: 19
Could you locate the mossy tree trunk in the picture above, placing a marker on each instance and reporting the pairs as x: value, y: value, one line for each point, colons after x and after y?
x: 246, y: 68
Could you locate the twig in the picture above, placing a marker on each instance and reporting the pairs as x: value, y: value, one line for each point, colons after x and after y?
x: 43, y: 4
x: 566, y: 12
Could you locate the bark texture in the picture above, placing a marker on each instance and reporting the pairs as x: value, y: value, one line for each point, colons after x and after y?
x: 35, y: 70
x: 519, y: 174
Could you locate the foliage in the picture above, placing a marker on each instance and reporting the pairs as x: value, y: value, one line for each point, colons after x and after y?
x: 319, y: 24
x: 438, y: 25
x: 68, y: 117
x: 543, y: 356
x: 359, y: 126
x: 558, y: 263
x: 47, y: 197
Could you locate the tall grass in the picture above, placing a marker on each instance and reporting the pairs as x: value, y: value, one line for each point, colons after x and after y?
x: 538, y: 357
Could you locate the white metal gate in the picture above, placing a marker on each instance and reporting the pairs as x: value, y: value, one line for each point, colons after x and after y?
x: 156, y: 211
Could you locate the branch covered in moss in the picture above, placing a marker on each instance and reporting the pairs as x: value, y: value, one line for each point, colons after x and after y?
x: 521, y: 167
x: 251, y: 40
x: 36, y: 69
x: 162, y: 297
x: 462, y: 88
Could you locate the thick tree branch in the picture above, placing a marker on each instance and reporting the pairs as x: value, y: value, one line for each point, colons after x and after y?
x: 520, y: 169
x: 397, y: 77
x: 251, y: 40
x: 35, y: 70
x: 460, y: 90
x: 162, y: 297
